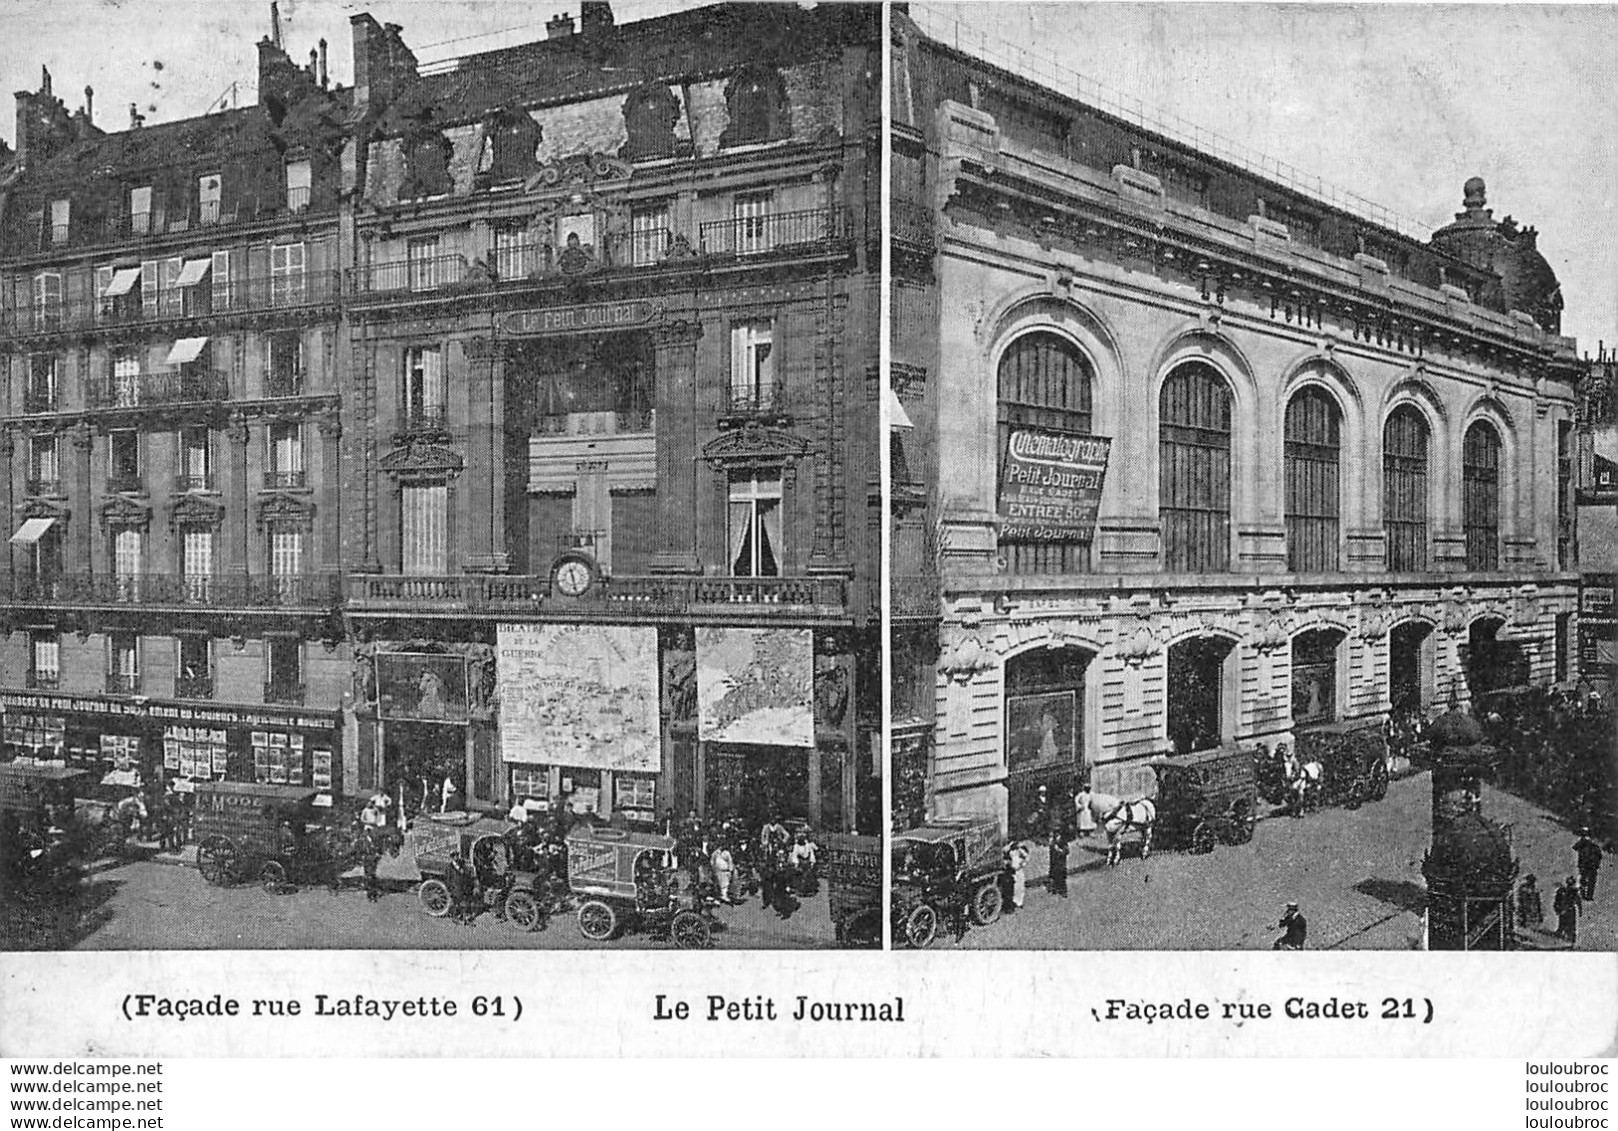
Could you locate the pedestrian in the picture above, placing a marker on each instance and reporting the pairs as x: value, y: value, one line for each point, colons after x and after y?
x: 1530, y: 908
x: 1296, y: 928
x: 1588, y: 852
x: 1059, y: 833
x: 1017, y: 862
x: 370, y: 852
x: 801, y: 860
x: 1566, y: 904
x: 462, y: 887
x: 724, y: 870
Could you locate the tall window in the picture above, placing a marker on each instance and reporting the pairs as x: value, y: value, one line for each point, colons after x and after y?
x: 1044, y: 383
x: 195, y: 464
x: 48, y: 300
x: 299, y: 181
x: 195, y: 679
x: 128, y: 555
x: 424, y: 513
x: 1312, y: 444
x: 422, y: 261
x: 125, y: 379
x: 123, y: 663
x: 1480, y: 490
x: 1564, y: 494
x: 751, y: 212
x: 514, y: 252
x: 196, y: 561
x: 124, y: 456
x: 1314, y: 676
x: 61, y: 215
x: 1404, y: 490
x: 283, y: 669
x: 752, y: 364
x: 159, y: 286
x: 286, y: 560
x: 223, y: 297
x: 45, y: 660
x: 286, y: 455
x: 424, y: 387
x: 209, y: 192
x: 649, y: 233
x: 284, y: 363
x: 755, y: 524
x: 288, y: 284
x: 44, y: 473
x: 40, y: 396
x: 1194, y: 470
x: 140, y: 210
x: 1198, y: 676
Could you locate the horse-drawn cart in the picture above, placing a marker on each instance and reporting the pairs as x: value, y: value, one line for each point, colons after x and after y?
x: 39, y: 858
x: 1206, y: 798
x: 625, y: 882
x: 946, y: 871
x: 1353, y: 757
x: 275, y: 834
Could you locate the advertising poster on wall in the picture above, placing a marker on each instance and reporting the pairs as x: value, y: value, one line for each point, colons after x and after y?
x: 579, y: 695
x: 1050, y: 486
x: 417, y: 685
x: 756, y: 685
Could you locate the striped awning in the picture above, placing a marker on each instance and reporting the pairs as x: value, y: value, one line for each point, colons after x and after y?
x: 31, y: 531
x: 123, y: 281
x: 193, y: 271
x: 186, y: 349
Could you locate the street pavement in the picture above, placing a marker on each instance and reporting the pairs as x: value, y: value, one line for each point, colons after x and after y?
x: 164, y: 904
x: 1356, y: 875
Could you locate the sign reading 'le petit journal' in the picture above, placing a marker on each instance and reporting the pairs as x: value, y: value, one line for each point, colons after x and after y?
x: 580, y: 319
x: 1050, y: 487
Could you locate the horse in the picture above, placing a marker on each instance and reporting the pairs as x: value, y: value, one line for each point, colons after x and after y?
x: 1116, y: 817
x: 1304, y: 780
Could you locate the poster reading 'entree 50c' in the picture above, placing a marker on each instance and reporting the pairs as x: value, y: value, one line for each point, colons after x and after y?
x: 1050, y: 486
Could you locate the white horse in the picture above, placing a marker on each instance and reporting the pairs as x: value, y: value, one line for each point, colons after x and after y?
x: 1304, y: 780
x: 1116, y: 817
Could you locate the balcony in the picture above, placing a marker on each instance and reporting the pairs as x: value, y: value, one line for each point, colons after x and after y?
x: 44, y: 488
x: 139, y: 390
x: 285, y: 383
x: 126, y: 483
x: 913, y: 227
x: 285, y: 480
x: 428, y: 273
x: 185, y: 483
x: 297, y: 198
x: 501, y: 594
x: 38, y: 400
x: 123, y: 683
x: 285, y: 692
x: 812, y: 231
x: 754, y: 399
x: 193, y: 687
x: 43, y: 681
x: 432, y: 418
x: 609, y: 423
x: 210, y: 298
x: 168, y: 590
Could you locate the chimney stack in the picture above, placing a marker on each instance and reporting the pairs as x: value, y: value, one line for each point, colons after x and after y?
x: 322, y: 77
x: 45, y: 81
x: 135, y: 119
x: 90, y: 104
x: 559, y: 26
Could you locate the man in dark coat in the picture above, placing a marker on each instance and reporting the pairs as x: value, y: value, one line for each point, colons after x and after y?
x: 1296, y: 928
x: 1060, y: 830
x: 1589, y: 856
x: 1566, y: 905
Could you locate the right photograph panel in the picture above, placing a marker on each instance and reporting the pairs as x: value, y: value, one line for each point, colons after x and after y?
x: 1245, y: 533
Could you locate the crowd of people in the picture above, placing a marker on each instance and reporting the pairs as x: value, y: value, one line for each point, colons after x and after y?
x: 733, y: 861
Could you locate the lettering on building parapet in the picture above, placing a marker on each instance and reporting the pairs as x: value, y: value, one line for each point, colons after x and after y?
x: 581, y: 319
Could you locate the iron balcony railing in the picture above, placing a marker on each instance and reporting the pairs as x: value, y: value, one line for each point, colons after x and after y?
x: 43, y: 681
x: 286, y: 383
x: 423, y: 273
x: 39, y: 400
x: 426, y: 418
x: 754, y: 399
x: 203, y: 482
x: 126, y: 483
x: 774, y: 232
x: 210, y: 298
x: 304, y: 591
x: 912, y: 225
x: 496, y: 593
x: 123, y: 683
x: 48, y: 488
x: 134, y: 390
x: 283, y: 691
x: 281, y: 480
x: 298, y: 199
x: 628, y: 422
x: 193, y: 687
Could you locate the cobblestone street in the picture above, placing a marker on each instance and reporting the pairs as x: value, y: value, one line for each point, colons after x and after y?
x: 1356, y: 874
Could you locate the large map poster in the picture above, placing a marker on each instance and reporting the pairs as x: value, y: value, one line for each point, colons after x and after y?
x: 756, y: 685
x: 579, y: 695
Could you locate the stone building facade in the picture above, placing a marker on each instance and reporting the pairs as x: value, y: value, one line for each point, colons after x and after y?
x: 1327, y: 466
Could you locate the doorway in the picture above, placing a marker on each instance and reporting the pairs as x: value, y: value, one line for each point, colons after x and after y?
x: 420, y: 756
x: 1197, y: 690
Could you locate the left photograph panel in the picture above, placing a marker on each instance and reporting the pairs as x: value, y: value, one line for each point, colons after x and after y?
x: 443, y: 488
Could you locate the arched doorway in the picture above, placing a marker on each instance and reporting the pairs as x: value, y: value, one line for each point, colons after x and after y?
x: 1408, y: 673
x: 1044, y: 726
x: 1200, y: 679
x: 1492, y: 663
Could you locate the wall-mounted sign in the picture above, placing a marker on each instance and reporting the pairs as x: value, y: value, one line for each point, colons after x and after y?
x: 756, y: 686
x: 1050, y: 486
x: 580, y: 319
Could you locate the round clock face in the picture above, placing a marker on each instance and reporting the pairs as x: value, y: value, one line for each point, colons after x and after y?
x: 573, y: 577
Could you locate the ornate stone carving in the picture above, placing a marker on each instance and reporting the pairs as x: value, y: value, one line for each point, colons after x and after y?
x: 121, y: 510
x: 586, y: 170
x: 754, y: 445
x: 279, y: 508
x: 195, y: 510
x: 416, y: 456
x: 680, y: 684
x: 831, y: 691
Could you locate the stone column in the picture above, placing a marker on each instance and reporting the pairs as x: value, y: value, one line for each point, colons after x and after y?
x: 485, y: 497
x: 81, y: 547
x: 238, y: 495
x: 330, y: 514
x: 677, y: 446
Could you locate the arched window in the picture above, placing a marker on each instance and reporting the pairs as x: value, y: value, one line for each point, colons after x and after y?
x: 1044, y: 383
x: 757, y: 105
x: 1201, y: 671
x: 1044, y: 726
x: 1194, y: 470
x: 1313, y: 430
x: 1404, y: 491
x: 1314, y: 676
x: 650, y: 115
x: 1480, y: 500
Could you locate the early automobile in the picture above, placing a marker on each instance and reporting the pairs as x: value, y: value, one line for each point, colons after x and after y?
x: 1206, y: 798
x: 947, y: 871
x: 483, y: 847
x: 625, y: 881
x: 278, y: 835
x: 852, y: 868
x: 1353, y: 757
x: 39, y: 855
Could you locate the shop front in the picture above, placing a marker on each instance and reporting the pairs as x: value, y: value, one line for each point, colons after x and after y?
x: 127, y: 744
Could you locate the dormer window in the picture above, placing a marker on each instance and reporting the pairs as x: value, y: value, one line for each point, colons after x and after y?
x: 757, y: 104
x: 140, y: 210
x: 61, y: 213
x: 510, y: 141
x: 650, y: 115
x: 209, y: 194
x: 300, y: 180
